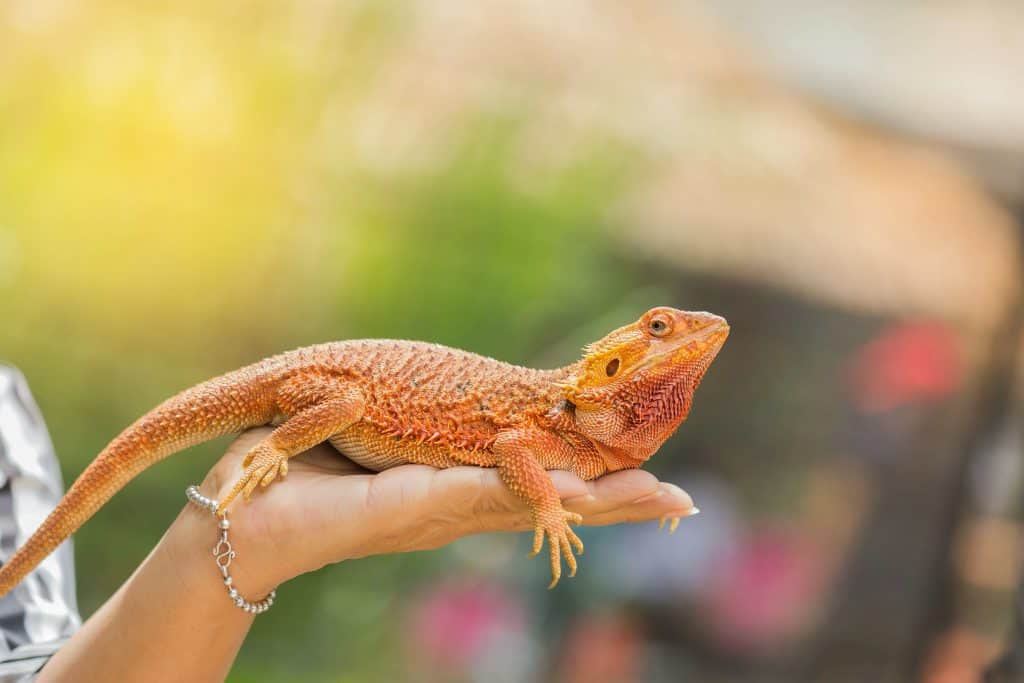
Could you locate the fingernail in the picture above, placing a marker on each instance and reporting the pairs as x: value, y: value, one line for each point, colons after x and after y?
x: 693, y: 511
x: 649, y: 497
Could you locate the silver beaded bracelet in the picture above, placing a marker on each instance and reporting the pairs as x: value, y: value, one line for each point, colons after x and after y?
x: 224, y: 554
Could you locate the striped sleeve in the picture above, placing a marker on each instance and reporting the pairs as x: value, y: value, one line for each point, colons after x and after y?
x: 40, y: 613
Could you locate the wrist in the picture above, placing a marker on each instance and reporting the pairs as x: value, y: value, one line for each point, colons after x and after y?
x: 190, y: 542
x: 174, y: 603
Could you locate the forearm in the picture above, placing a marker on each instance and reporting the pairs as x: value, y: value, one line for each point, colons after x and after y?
x: 171, y: 621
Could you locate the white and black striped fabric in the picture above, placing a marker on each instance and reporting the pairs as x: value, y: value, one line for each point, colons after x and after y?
x: 40, y: 614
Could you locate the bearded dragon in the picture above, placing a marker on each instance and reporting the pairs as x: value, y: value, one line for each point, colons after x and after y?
x: 384, y: 403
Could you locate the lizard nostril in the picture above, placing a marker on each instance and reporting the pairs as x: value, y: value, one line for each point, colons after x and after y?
x: 612, y: 368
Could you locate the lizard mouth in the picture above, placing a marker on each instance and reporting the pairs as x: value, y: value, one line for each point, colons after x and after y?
x: 703, y: 341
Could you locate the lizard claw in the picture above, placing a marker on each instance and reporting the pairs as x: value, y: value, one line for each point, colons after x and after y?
x: 674, y: 523
x: 561, y: 540
x: 262, y: 465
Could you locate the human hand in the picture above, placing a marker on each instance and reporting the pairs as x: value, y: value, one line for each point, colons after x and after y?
x: 329, y: 509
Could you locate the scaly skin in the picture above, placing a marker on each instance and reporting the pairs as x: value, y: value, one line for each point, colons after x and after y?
x: 385, y: 403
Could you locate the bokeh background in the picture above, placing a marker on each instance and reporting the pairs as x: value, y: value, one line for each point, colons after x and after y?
x: 187, y: 187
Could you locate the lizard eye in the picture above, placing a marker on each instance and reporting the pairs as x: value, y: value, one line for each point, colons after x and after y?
x: 612, y: 367
x: 659, y: 327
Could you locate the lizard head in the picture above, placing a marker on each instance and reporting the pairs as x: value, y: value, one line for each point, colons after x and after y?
x: 632, y: 389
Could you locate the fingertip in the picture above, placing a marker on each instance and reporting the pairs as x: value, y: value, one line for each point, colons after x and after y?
x: 678, y: 496
x: 666, y: 503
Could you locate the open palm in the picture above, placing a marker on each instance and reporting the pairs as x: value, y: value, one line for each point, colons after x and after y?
x: 330, y: 509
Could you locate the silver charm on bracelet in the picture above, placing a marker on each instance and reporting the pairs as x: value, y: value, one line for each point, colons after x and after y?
x: 224, y: 554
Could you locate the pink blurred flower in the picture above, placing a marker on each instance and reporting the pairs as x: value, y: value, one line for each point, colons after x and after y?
x: 907, y: 363
x: 765, y: 591
x: 453, y: 624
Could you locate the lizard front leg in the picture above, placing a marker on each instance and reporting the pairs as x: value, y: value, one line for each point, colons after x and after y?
x: 519, y: 454
x: 330, y: 411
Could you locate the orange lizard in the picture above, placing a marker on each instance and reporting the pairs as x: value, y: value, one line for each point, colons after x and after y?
x: 384, y: 403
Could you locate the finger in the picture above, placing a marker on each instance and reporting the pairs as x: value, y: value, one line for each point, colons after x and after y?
x: 473, y: 492
x: 569, y: 485
x: 425, y: 507
x: 669, y: 501
x: 483, y: 491
x: 484, y: 503
x: 612, y: 491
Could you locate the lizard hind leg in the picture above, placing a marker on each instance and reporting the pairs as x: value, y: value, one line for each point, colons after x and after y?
x: 263, y: 464
x: 268, y: 460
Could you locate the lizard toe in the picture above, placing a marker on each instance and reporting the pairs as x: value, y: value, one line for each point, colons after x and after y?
x: 556, y: 562
x: 575, y: 540
x: 232, y: 494
x: 270, y: 476
x: 554, y: 526
x: 262, y: 465
x: 538, y: 541
x: 570, y: 559
x: 252, y: 478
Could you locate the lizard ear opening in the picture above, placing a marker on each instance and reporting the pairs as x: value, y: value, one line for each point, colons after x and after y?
x: 612, y: 367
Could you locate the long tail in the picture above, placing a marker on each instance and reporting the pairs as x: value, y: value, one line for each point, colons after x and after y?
x: 220, y: 406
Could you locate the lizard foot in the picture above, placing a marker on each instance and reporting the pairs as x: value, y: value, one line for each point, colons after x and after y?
x: 262, y: 466
x: 561, y: 540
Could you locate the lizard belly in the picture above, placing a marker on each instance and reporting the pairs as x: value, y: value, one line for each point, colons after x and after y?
x: 367, y: 447
x: 366, y: 451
